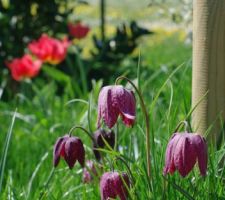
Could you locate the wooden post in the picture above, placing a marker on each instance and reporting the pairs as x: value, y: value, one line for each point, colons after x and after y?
x: 209, y: 66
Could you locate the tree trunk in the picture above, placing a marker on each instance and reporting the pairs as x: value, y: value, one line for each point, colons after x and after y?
x: 209, y: 66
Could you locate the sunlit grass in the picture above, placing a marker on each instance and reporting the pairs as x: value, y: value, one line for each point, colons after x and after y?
x: 41, y: 119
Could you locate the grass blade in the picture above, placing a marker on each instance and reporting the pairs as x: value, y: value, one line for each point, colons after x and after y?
x: 5, y: 150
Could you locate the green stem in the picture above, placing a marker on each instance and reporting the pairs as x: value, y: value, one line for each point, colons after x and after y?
x: 47, y: 183
x: 83, y: 129
x: 182, y: 123
x: 116, y: 137
x: 82, y: 74
x: 144, y: 110
x: 89, y: 113
x: 128, y: 168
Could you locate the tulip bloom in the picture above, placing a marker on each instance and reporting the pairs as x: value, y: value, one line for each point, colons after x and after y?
x: 114, y: 101
x: 78, y: 30
x: 24, y: 67
x: 183, y: 151
x: 99, y: 137
x: 112, y: 186
x: 71, y: 149
x: 49, y: 49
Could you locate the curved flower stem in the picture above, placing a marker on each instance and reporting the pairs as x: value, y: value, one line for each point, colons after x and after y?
x: 83, y: 129
x: 144, y: 110
x: 184, y: 123
x: 128, y: 168
x: 45, y: 186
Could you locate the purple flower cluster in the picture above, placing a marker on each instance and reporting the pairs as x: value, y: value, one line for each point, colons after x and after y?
x: 182, y: 153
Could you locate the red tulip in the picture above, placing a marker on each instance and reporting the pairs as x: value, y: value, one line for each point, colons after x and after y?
x: 78, y: 30
x: 24, y: 67
x: 49, y: 49
x: 114, y: 101
x: 71, y: 149
x: 112, y: 185
x: 183, y: 151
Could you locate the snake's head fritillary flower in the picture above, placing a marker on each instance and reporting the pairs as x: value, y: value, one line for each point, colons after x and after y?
x: 99, y: 136
x: 78, y: 30
x: 71, y: 149
x: 24, y: 67
x: 183, y: 151
x: 112, y: 185
x: 114, y: 101
x: 49, y: 49
x: 90, y: 171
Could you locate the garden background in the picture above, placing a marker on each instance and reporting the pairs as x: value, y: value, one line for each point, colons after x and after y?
x: 35, y: 112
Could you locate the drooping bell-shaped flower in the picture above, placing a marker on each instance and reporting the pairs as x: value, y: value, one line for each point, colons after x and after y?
x: 114, y: 185
x: 114, y: 101
x: 99, y: 136
x: 183, y: 151
x: 71, y: 149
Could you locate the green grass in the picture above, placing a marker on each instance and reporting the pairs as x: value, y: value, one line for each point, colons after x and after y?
x: 40, y: 120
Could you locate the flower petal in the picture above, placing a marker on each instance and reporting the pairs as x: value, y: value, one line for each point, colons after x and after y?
x: 58, y: 149
x: 169, y: 158
x: 184, y: 155
x: 107, y: 187
x: 107, y: 107
x: 126, y: 104
x: 202, y: 155
x: 74, y: 150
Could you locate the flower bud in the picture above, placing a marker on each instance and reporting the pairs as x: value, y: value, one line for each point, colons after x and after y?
x: 183, y: 151
x: 71, y: 149
x: 112, y: 185
x: 99, y: 136
x: 90, y: 171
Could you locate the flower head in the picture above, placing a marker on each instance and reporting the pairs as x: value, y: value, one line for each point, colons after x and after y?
x: 89, y: 171
x: 99, y: 136
x: 114, y: 101
x: 183, y: 151
x: 49, y: 49
x: 78, y: 30
x: 112, y: 185
x: 24, y: 67
x: 71, y: 149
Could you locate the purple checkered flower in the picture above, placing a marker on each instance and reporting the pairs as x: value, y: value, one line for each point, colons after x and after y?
x: 114, y: 185
x: 183, y: 151
x: 114, y: 101
x: 71, y: 149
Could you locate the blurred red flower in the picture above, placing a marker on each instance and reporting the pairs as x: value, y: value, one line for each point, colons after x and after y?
x: 24, y: 67
x: 78, y: 30
x: 49, y: 49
